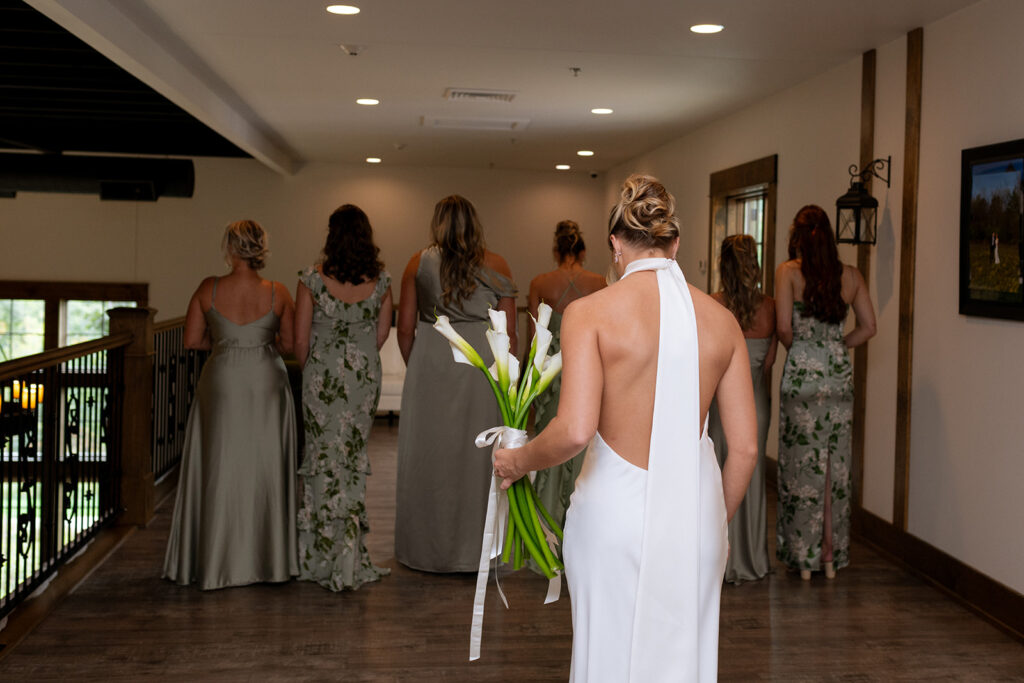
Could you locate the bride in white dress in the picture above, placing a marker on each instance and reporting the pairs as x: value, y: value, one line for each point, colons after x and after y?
x: 645, y: 534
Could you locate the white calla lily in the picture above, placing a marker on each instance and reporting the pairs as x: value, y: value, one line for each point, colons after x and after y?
x: 542, y: 339
x: 499, y: 322
x: 552, y: 366
x: 543, y: 315
x: 499, y: 343
x: 462, y: 351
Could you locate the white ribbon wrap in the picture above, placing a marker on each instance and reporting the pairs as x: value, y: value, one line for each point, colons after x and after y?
x: 494, y: 530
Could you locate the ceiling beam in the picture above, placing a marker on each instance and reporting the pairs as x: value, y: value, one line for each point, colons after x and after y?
x: 132, y: 36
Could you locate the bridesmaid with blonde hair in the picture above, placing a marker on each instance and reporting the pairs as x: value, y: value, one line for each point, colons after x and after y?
x: 755, y: 312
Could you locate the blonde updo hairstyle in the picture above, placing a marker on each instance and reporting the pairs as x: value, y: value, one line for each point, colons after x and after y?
x: 248, y: 241
x: 645, y: 215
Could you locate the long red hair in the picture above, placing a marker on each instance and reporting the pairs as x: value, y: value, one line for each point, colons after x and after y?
x: 812, y: 241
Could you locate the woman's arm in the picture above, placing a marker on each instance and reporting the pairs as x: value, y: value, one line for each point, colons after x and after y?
x: 286, y: 333
x: 303, y: 322
x: 196, y: 335
x: 384, y: 320
x: 773, y: 346
x: 579, y: 405
x: 784, y: 305
x: 863, y: 311
x: 407, y: 308
x: 735, y: 397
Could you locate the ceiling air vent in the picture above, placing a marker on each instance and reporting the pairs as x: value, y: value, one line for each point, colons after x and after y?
x: 463, y: 123
x: 478, y: 95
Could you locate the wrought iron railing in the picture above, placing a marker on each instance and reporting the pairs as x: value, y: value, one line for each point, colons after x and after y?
x: 60, y: 458
x: 175, y: 376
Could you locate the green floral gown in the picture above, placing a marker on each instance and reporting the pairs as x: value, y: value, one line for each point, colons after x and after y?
x: 815, y: 426
x: 340, y: 390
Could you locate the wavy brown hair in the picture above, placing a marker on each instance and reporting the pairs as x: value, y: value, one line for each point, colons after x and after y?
x: 741, y: 277
x: 460, y: 238
x: 645, y: 215
x: 568, y: 241
x: 349, y: 253
x: 812, y: 241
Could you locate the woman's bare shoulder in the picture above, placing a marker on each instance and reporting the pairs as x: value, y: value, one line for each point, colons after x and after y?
x: 497, y: 262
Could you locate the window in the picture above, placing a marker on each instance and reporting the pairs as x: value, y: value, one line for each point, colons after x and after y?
x: 743, y: 203
x: 35, y: 316
x: 21, y: 327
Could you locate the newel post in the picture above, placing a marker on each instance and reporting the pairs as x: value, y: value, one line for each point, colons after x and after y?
x: 137, y: 492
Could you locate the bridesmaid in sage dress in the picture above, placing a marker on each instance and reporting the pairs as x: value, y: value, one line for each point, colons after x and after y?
x: 443, y: 477
x: 234, y: 516
x: 558, y: 289
x: 755, y: 312
x: 814, y: 290
x: 342, y: 318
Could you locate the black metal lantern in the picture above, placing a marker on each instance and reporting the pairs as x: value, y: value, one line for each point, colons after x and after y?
x: 857, y: 210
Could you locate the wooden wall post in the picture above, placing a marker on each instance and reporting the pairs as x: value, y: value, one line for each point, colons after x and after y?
x: 137, y: 492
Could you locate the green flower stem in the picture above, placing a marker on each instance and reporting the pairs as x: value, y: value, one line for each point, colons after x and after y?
x: 510, y: 531
x: 506, y: 414
x: 537, y: 530
x: 518, y: 564
x: 527, y: 539
x: 552, y: 524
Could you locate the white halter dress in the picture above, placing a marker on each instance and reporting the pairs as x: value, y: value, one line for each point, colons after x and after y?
x: 645, y: 550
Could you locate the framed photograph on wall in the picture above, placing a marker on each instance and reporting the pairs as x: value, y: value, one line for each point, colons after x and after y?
x: 992, y: 231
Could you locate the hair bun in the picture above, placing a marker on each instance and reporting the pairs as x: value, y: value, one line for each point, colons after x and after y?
x: 645, y: 214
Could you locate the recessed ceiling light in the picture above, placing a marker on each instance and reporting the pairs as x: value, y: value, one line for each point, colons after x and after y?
x: 372, y: 160
x: 601, y: 110
x: 706, y: 28
x: 343, y: 9
x: 562, y: 167
x: 368, y: 101
x: 585, y: 153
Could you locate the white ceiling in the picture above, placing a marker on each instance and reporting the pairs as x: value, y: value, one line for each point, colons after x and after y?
x: 270, y: 75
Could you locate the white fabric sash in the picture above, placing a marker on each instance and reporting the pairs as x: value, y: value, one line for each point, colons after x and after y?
x: 666, y: 619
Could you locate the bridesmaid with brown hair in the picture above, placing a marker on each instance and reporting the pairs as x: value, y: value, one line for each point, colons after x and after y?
x: 755, y: 312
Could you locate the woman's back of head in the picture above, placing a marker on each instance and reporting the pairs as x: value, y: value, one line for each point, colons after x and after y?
x: 645, y: 215
x: 569, y: 244
x: 741, y: 278
x: 247, y: 240
x: 812, y: 241
x: 350, y: 254
x: 457, y: 233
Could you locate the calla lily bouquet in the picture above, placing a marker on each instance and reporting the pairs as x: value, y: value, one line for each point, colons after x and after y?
x: 515, y: 390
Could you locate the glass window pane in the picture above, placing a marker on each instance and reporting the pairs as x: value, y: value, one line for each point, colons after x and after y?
x: 21, y: 327
x: 87, y: 320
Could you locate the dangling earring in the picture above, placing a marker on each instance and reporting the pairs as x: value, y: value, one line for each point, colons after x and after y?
x: 616, y: 256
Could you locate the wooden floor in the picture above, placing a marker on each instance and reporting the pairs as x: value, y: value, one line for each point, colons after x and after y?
x: 875, y: 622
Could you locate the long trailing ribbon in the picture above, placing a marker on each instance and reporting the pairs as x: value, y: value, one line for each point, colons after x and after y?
x: 495, y: 522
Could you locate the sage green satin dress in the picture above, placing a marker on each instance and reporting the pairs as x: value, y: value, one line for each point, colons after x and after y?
x: 234, y: 517
x: 748, y: 530
x: 443, y: 478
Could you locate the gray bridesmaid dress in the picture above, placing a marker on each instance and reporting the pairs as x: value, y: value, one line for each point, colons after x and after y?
x: 748, y: 530
x: 234, y: 516
x: 443, y: 478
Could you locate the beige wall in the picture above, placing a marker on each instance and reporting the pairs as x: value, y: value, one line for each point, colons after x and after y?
x: 967, y: 454
x: 173, y: 243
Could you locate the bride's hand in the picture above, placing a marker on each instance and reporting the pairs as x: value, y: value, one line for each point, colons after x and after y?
x: 505, y: 466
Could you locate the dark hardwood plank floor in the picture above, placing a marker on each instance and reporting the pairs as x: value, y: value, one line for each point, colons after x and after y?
x: 875, y: 622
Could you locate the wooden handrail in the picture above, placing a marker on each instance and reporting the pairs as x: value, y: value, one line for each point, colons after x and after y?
x: 170, y: 324
x: 14, y: 369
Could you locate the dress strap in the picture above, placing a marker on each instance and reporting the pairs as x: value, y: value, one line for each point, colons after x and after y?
x: 572, y: 286
x: 273, y: 290
x: 213, y: 295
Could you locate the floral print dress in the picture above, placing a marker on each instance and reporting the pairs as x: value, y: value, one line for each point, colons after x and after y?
x: 815, y: 427
x: 340, y: 389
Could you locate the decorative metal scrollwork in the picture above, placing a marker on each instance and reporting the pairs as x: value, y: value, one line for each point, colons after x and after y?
x: 72, y: 445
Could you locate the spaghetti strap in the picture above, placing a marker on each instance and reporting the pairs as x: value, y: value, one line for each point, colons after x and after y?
x: 572, y: 286
x: 273, y: 290
x: 213, y: 295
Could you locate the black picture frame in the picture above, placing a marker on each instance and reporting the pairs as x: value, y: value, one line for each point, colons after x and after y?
x: 992, y: 231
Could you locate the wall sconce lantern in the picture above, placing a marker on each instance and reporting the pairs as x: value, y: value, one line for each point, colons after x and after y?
x: 857, y: 210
